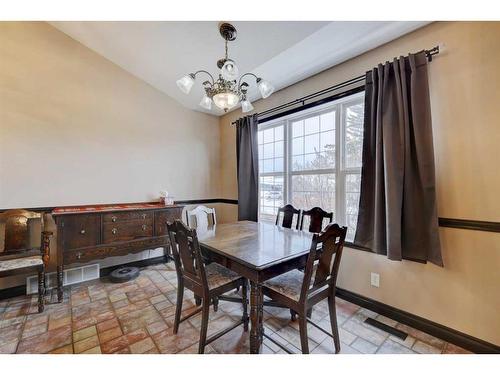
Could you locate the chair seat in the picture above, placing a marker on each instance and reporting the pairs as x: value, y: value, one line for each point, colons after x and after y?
x: 218, y: 275
x: 13, y: 264
x: 288, y: 284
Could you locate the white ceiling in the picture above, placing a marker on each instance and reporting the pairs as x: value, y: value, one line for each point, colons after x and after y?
x: 280, y: 52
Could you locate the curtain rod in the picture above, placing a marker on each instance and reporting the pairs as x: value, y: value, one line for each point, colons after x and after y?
x: 428, y: 52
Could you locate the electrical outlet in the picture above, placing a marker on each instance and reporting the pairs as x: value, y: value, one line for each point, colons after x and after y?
x: 375, y: 279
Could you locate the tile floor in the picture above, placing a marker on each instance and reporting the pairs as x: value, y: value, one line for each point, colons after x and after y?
x: 137, y: 316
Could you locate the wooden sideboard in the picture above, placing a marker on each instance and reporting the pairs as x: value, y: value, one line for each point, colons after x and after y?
x: 89, y: 233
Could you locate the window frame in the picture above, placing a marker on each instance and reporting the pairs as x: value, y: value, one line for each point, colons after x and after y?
x: 340, y: 170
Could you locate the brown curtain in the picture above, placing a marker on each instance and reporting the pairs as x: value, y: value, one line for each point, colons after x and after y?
x: 247, y: 167
x: 397, y: 208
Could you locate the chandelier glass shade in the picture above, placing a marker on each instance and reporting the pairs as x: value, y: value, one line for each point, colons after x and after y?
x: 227, y: 91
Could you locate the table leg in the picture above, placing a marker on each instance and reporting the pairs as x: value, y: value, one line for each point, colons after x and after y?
x: 59, y: 283
x: 256, y: 312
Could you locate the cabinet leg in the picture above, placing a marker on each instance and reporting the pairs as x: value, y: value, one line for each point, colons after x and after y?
x: 41, y: 289
x: 59, y: 283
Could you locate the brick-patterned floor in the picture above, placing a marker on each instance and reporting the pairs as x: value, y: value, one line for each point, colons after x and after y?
x: 137, y: 316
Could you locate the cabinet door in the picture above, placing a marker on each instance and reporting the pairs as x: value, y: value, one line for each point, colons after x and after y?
x: 164, y: 216
x: 81, y: 230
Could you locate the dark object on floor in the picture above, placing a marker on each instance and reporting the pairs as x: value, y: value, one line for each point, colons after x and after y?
x: 124, y: 274
x: 387, y: 328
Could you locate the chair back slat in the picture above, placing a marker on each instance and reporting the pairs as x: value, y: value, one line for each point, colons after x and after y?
x: 330, y: 242
x: 201, y: 217
x: 186, y: 253
x: 288, y: 212
x: 316, y: 218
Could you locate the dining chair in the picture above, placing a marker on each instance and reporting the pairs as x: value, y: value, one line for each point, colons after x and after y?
x: 201, y: 217
x: 289, y: 213
x: 300, y: 291
x: 206, y: 281
x: 20, y: 255
x: 316, y: 219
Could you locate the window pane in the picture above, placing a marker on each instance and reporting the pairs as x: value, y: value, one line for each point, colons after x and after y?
x: 328, y: 121
x: 298, y: 146
x: 271, y: 196
x: 297, y: 183
x: 268, y: 151
x: 312, y: 161
x: 352, y: 192
x: 311, y: 125
x: 267, y: 165
x: 298, y: 129
x: 327, y: 140
x: 353, y: 134
x: 278, y: 133
x: 353, y: 183
x: 308, y: 191
x: 261, y: 151
x: 311, y: 143
x: 278, y: 164
x: 260, y: 137
x: 278, y: 149
x: 268, y: 135
x: 297, y: 163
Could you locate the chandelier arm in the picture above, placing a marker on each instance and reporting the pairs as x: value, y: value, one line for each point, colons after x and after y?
x: 248, y: 74
x: 204, y: 71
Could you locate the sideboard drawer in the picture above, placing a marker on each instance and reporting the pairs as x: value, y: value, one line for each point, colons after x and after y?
x: 166, y: 216
x: 81, y: 230
x: 117, y: 217
x: 126, y: 231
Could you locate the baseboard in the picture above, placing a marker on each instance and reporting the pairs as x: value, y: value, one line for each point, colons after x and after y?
x: 437, y: 330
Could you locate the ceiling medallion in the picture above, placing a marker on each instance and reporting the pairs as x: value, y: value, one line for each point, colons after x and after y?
x: 227, y: 91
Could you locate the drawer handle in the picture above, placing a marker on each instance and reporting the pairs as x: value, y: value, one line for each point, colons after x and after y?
x: 82, y: 231
x: 114, y: 231
x: 144, y: 227
x: 78, y: 255
x: 143, y: 216
x: 113, y: 219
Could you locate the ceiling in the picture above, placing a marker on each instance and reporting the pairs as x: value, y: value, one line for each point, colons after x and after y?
x: 281, y: 52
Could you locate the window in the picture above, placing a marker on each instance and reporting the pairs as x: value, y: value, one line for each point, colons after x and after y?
x: 313, y: 158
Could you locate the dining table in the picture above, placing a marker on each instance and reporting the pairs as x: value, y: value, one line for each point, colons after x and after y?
x: 257, y: 251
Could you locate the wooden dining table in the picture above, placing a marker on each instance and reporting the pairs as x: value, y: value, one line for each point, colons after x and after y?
x: 257, y: 251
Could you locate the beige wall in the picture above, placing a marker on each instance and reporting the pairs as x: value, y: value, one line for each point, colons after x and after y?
x: 77, y: 129
x: 465, y: 95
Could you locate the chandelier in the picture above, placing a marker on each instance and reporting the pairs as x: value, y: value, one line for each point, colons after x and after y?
x: 227, y: 91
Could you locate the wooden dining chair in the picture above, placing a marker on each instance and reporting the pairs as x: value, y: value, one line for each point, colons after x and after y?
x: 206, y: 281
x: 316, y: 218
x: 19, y: 254
x: 289, y: 213
x: 201, y: 217
x: 300, y: 291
